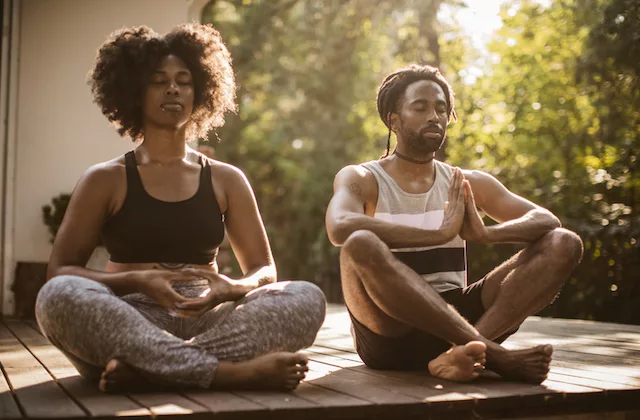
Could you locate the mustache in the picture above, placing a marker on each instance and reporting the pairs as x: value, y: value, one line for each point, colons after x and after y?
x: 431, y: 128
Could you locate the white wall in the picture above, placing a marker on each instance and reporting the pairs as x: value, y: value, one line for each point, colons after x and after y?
x: 60, y: 132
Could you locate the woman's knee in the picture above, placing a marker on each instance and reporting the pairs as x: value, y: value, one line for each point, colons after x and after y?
x: 310, y: 307
x: 68, y: 287
x: 58, y: 295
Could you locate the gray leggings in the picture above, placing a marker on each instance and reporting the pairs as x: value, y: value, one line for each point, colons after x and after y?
x: 92, y: 326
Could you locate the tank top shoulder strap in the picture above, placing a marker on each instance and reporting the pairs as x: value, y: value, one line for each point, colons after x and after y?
x: 206, y: 185
x: 443, y: 173
x: 386, y: 184
x: 134, y: 183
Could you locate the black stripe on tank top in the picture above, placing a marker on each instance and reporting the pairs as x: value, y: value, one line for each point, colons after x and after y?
x: 438, y: 260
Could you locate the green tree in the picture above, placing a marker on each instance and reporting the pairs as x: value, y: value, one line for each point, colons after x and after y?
x: 554, y: 119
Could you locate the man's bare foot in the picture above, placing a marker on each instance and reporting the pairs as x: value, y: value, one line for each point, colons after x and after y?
x: 460, y: 363
x: 120, y: 377
x: 528, y: 365
x: 282, y: 371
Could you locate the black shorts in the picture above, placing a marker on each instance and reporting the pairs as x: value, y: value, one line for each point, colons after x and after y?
x: 414, y: 350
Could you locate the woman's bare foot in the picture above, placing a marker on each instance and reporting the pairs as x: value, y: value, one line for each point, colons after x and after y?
x: 528, y: 365
x: 120, y: 377
x: 460, y: 363
x: 282, y: 371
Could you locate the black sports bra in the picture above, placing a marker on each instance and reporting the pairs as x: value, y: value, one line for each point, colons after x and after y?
x: 147, y: 230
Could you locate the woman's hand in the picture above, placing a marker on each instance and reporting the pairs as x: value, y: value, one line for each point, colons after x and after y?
x: 221, y: 289
x: 157, y: 285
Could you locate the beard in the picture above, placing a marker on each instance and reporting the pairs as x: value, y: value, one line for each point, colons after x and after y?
x: 417, y: 145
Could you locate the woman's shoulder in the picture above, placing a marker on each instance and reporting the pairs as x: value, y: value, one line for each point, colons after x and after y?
x: 106, y: 173
x: 225, y: 171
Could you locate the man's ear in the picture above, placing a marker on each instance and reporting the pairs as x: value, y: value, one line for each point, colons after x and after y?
x: 394, y: 121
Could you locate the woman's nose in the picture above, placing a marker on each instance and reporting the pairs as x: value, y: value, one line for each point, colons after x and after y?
x: 172, y: 89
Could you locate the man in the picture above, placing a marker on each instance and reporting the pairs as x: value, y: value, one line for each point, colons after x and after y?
x: 402, y: 222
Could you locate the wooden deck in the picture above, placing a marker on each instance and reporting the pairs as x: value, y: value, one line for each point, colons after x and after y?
x: 595, y: 374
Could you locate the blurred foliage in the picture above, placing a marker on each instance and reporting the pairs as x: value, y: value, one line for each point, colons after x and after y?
x: 53, y: 213
x: 556, y: 118
x: 551, y: 109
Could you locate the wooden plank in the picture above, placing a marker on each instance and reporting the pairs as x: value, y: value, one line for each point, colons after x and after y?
x: 337, y: 405
x: 162, y: 404
x: 571, y: 338
x: 8, y: 406
x: 84, y: 392
x: 535, y: 323
x: 283, y: 405
x: 578, y: 376
x: 35, y: 389
x: 614, y: 352
x: 594, y: 369
x: 226, y: 405
x: 619, y: 415
x: 628, y: 342
x: 626, y: 372
x: 392, y: 397
x: 486, y: 393
x: 33, y: 324
x: 328, y: 398
x: 492, y: 395
x: 601, y: 378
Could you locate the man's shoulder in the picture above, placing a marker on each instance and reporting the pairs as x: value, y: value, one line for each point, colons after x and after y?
x: 476, y: 175
x: 359, y: 170
x: 357, y: 176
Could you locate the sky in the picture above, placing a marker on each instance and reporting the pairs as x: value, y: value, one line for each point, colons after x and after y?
x: 479, y: 19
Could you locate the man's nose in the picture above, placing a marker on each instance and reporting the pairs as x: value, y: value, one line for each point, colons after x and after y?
x: 432, y: 115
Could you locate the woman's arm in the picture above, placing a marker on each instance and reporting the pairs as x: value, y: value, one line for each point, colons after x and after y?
x: 92, y: 201
x: 246, y: 231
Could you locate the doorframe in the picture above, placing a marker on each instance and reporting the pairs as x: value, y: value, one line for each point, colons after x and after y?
x: 9, y: 62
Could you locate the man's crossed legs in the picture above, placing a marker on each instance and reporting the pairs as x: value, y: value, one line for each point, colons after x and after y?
x: 392, y: 305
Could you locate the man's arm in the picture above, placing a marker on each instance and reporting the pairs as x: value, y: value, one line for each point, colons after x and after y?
x: 354, y: 187
x: 519, y: 220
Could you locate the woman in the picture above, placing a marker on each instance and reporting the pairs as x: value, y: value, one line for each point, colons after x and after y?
x: 161, y: 314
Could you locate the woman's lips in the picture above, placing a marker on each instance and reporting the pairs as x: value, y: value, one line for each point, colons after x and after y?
x: 173, y: 107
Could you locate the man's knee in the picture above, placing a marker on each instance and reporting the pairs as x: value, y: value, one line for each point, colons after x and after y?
x: 360, y: 245
x: 565, y: 245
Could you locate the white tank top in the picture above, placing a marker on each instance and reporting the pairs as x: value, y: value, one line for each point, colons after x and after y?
x: 443, y: 266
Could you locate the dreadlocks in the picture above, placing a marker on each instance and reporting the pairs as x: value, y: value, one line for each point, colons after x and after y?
x: 393, y: 87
